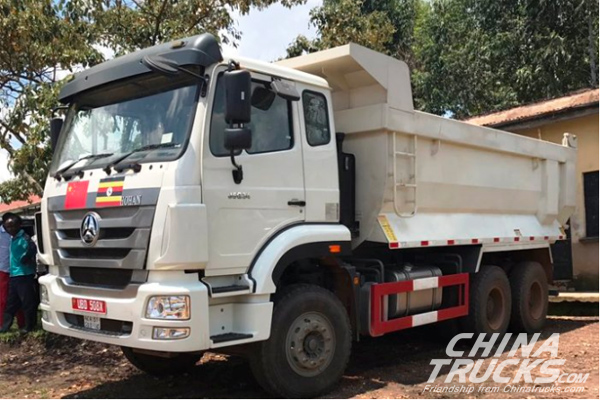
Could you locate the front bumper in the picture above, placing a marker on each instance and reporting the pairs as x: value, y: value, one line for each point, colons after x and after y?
x: 126, y: 308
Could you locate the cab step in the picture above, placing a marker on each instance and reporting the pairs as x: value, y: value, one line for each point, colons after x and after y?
x: 230, y: 288
x: 227, y: 286
x: 230, y: 337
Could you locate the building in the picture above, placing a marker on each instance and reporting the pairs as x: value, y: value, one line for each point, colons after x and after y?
x: 22, y: 207
x: 549, y: 120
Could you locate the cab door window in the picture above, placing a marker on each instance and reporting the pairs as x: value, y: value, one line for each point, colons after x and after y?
x: 316, y: 118
x: 271, y: 121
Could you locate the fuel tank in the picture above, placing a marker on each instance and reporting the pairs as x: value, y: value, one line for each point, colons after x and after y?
x: 403, y: 304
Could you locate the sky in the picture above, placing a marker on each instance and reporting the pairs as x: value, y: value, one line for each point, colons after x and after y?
x: 266, y: 34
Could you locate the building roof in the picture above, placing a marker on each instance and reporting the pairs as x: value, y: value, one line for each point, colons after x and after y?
x: 535, y: 111
x: 20, y: 205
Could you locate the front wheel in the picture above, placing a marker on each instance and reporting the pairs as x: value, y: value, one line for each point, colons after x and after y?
x: 161, y: 366
x: 309, y: 346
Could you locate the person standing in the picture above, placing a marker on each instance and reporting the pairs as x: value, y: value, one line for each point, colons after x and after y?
x: 21, y: 291
x: 5, y: 240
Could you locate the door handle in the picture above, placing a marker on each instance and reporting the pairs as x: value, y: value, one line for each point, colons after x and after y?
x: 299, y: 203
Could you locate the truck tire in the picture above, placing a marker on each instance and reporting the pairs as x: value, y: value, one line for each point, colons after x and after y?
x: 489, y: 302
x: 309, y: 346
x: 161, y: 366
x: 529, y: 288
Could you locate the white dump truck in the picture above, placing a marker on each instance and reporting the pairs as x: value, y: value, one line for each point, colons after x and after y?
x: 200, y: 202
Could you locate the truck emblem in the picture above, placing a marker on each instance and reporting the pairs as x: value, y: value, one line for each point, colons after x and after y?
x: 90, y: 229
x: 133, y: 200
x: 239, y: 196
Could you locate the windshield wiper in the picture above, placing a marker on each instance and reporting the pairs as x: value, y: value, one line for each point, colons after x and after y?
x: 135, y: 165
x: 60, y: 172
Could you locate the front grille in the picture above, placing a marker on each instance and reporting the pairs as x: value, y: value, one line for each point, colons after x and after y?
x: 108, y: 233
x: 107, y: 326
x: 124, y: 235
x: 108, y: 277
x: 95, y: 254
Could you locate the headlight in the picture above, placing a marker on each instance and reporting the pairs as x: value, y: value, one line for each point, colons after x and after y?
x: 170, y: 333
x: 44, y: 298
x: 168, y: 307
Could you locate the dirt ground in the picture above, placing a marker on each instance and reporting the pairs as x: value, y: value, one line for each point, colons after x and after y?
x: 393, y: 366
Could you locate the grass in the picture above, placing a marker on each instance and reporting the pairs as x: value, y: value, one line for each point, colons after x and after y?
x: 14, y: 335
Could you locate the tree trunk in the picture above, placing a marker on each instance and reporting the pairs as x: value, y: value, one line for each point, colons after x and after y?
x: 594, y: 80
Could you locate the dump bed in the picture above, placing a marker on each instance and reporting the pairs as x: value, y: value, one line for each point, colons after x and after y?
x: 425, y: 180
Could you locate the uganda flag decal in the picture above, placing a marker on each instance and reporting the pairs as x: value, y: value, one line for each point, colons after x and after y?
x: 110, y: 192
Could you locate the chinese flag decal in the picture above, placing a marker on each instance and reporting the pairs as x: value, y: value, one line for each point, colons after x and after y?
x: 76, y: 194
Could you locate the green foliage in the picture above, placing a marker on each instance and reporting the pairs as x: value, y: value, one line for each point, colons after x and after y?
x: 40, y: 39
x: 128, y: 25
x: 342, y: 21
x: 470, y: 57
x: 404, y: 16
x: 479, y: 56
x: 34, y: 43
x: 14, y: 335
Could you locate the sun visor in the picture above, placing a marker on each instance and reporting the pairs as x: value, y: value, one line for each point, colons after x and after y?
x: 202, y: 50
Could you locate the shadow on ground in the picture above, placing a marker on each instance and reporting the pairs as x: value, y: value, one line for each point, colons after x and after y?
x: 403, y: 358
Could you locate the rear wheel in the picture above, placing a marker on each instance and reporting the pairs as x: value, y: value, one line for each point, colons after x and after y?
x: 489, y: 302
x: 161, y: 366
x: 529, y: 288
x: 309, y: 346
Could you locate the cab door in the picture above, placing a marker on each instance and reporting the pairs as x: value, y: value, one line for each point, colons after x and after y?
x: 242, y: 217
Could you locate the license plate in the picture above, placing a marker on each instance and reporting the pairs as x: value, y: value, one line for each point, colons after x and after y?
x: 91, y: 322
x: 89, y: 305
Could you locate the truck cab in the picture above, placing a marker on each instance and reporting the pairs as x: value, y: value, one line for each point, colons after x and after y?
x: 141, y: 168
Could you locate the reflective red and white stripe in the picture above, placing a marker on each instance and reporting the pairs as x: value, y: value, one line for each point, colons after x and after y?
x: 379, y: 292
x: 454, y: 242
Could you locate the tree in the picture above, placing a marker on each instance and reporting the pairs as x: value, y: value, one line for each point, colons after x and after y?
x: 128, y: 25
x: 41, y: 41
x: 471, y: 57
x: 35, y: 43
x: 405, y: 17
x: 342, y: 21
x: 481, y: 56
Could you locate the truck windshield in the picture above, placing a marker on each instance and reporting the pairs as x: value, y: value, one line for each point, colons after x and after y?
x: 105, y: 125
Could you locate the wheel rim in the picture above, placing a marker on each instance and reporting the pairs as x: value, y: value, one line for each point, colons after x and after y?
x: 495, y: 308
x: 310, y: 344
x: 535, y: 301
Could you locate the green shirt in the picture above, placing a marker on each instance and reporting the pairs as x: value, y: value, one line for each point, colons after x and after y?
x: 20, y: 246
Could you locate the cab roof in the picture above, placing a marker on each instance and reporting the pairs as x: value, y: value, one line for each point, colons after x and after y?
x: 202, y: 50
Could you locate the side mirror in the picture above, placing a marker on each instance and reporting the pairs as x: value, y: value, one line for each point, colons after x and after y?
x: 238, y: 94
x: 55, y: 128
x: 238, y: 139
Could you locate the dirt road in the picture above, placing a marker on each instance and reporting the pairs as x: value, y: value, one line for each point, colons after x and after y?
x: 394, y: 366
